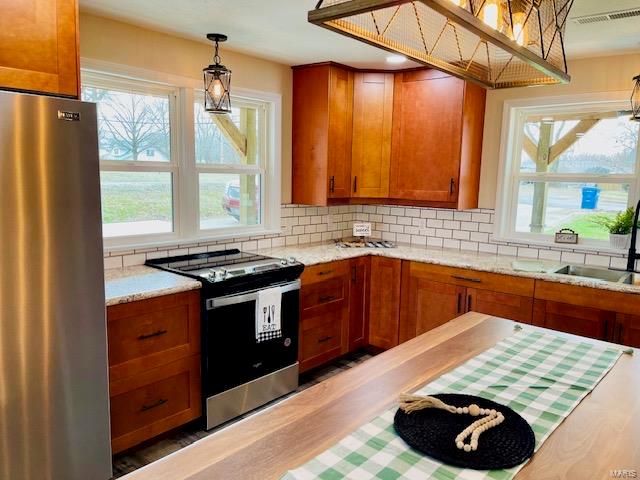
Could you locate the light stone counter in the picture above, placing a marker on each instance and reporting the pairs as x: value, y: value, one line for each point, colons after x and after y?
x: 140, y: 282
x: 129, y: 284
x: 523, y: 267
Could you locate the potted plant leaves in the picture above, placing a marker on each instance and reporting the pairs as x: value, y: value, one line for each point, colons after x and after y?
x: 618, y: 226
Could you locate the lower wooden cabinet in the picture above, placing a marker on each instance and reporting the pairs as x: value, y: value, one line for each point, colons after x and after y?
x: 584, y: 321
x: 627, y: 330
x: 427, y: 304
x: 434, y: 294
x: 359, y: 291
x: 154, y: 402
x: 591, y: 312
x: 500, y: 304
x: 154, y: 366
x: 324, y: 313
x: 384, y: 310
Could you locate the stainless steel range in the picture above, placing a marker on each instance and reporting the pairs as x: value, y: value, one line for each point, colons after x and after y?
x: 250, y: 314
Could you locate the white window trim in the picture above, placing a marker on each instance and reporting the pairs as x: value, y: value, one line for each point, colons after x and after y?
x: 514, y: 112
x: 186, y: 203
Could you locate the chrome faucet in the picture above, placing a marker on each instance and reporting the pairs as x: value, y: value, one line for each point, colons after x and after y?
x: 633, y: 255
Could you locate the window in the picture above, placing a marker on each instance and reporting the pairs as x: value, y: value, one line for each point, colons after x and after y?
x: 229, y: 158
x: 136, y: 161
x: 565, y: 166
x: 171, y: 171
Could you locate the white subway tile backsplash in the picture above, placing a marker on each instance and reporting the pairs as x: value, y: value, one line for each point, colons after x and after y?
x: 507, y: 250
x: 469, y: 230
x: 434, y: 242
x: 444, y: 214
x: 572, y: 257
x: 597, y: 260
x: 135, y: 259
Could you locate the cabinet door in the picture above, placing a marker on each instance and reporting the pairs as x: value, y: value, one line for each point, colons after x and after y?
x: 627, y: 331
x: 427, y: 304
x: 427, y: 133
x: 340, y: 125
x: 584, y: 321
x: 384, y: 302
x: 39, y: 50
x: 359, y: 303
x: 371, y: 145
x: 504, y: 305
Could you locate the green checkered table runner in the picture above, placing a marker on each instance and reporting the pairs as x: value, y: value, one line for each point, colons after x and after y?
x: 541, y: 376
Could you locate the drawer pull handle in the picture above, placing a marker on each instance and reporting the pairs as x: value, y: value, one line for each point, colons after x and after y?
x: 466, y: 279
x: 326, y: 298
x: 325, y: 272
x: 324, y: 339
x: 150, y: 406
x: 151, y: 335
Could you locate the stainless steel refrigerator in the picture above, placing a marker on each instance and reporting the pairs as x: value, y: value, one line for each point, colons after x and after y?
x: 54, y: 402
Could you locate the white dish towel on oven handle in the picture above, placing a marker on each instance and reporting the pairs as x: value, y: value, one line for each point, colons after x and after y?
x: 268, y: 325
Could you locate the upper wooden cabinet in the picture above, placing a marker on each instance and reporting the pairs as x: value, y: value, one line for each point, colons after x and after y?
x: 39, y: 47
x: 371, y: 145
x: 322, y: 121
x: 412, y: 137
x: 437, y: 139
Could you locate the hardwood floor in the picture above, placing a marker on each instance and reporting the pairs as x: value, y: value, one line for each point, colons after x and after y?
x: 184, y: 436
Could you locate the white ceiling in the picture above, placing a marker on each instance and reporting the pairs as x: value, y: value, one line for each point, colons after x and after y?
x: 278, y: 29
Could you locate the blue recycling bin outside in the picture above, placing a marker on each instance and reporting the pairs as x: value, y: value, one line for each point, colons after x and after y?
x: 590, y: 196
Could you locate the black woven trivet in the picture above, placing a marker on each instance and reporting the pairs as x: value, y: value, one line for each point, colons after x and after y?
x: 433, y: 431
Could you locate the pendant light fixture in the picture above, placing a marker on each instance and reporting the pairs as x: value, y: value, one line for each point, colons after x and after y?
x: 495, y: 43
x: 217, y: 81
x: 635, y: 100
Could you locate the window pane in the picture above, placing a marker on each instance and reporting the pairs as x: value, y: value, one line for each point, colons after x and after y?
x: 548, y: 207
x: 136, y: 203
x: 601, y: 143
x: 227, y: 139
x: 131, y: 126
x: 228, y: 200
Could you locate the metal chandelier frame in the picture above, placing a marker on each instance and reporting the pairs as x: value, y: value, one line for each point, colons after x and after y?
x: 454, y: 39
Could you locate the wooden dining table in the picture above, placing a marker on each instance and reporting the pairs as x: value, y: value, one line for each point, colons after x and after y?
x: 598, y: 440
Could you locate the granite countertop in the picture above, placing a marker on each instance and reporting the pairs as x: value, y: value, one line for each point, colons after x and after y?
x: 141, y: 282
x: 486, y: 262
x: 129, y: 284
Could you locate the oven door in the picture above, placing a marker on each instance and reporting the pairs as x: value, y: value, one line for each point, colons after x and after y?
x: 231, y: 354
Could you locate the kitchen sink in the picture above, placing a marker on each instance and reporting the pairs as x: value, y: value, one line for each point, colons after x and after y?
x: 598, y: 274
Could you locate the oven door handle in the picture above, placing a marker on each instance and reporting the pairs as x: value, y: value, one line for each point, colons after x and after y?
x: 250, y: 296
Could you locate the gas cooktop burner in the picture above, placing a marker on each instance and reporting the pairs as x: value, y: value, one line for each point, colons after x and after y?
x: 225, y: 265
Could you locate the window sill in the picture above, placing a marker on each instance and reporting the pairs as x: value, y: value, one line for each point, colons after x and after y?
x: 133, y: 244
x: 579, y: 247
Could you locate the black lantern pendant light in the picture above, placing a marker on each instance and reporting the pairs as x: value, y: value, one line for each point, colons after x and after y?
x: 635, y: 100
x: 217, y: 81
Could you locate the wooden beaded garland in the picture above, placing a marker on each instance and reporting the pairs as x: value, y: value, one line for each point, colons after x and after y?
x: 490, y: 417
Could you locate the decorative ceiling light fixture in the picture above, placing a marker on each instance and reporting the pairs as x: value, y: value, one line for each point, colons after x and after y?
x: 217, y: 81
x: 495, y: 43
x: 635, y: 100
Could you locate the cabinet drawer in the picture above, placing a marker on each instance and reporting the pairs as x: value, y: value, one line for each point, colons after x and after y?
x: 324, y: 271
x: 320, y: 343
x: 152, y: 332
x: 494, y: 282
x: 153, y: 402
x: 324, y: 296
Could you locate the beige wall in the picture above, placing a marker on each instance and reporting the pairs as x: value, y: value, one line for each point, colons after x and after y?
x: 588, y: 75
x: 122, y: 43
